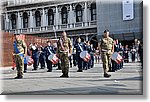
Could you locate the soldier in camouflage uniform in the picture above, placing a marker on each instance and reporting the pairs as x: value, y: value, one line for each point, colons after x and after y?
x: 64, y: 51
x: 106, y: 49
x: 20, y: 50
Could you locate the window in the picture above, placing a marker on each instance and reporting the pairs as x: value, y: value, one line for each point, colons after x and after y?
x: 50, y: 17
x: 64, y: 15
x: 38, y: 18
x: 13, y: 21
x: 93, y: 11
x: 25, y: 20
x: 78, y: 13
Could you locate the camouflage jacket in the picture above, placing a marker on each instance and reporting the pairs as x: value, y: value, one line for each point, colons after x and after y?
x: 64, y: 45
x: 19, y: 47
x: 106, y: 44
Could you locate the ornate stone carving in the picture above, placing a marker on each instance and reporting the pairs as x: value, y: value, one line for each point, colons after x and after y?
x: 80, y: 3
x: 68, y: 7
x: 59, y: 8
x: 21, y: 13
x: 54, y: 9
x: 41, y: 11
x: 45, y: 11
x: 89, y: 4
x: 65, y: 7
x: 34, y: 11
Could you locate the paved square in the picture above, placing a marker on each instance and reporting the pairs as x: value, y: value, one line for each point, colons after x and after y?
x: 128, y: 80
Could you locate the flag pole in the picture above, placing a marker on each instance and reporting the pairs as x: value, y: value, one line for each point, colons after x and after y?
x: 55, y: 32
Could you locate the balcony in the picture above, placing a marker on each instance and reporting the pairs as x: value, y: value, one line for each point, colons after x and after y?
x: 52, y: 28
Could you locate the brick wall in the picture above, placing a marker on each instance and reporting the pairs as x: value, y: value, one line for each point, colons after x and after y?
x: 7, y: 46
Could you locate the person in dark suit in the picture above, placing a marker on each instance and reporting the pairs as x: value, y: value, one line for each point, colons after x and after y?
x: 92, y: 56
x: 35, y: 55
x: 133, y: 51
x: 48, y: 51
x: 114, y: 66
x: 125, y: 53
x: 74, y: 57
x: 42, y: 57
x: 80, y: 46
x: 87, y: 65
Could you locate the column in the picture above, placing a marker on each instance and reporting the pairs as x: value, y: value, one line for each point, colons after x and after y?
x: 31, y: 20
x: 56, y: 18
x: 19, y: 21
x: 46, y: 18
x: 60, y: 19
x: 6, y: 22
x: 85, y: 14
x: 10, y: 22
x: 88, y: 14
x: 71, y: 18
x: 34, y: 20
x: 43, y: 18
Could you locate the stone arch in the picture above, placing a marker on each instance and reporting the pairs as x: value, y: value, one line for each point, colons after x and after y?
x: 94, y: 40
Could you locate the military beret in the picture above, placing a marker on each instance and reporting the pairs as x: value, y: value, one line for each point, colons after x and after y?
x: 106, y: 30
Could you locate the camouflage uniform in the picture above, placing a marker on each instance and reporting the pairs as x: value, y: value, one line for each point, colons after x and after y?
x: 19, y: 60
x: 106, y: 52
x: 63, y: 54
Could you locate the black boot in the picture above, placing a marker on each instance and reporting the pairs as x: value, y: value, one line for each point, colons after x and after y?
x: 79, y: 70
x: 64, y: 76
x: 18, y: 77
x: 49, y: 70
x: 107, y: 75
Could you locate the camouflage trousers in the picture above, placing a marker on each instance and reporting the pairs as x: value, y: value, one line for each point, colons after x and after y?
x: 64, y: 63
x: 106, y: 59
x: 19, y: 60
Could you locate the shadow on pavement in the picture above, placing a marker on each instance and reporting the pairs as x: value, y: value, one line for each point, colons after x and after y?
x: 99, y: 90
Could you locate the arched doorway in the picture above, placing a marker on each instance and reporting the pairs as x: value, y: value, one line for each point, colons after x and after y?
x: 38, y: 18
x: 25, y: 20
x: 50, y: 17
x: 79, y: 13
x: 64, y: 15
x: 94, y: 41
x: 13, y: 21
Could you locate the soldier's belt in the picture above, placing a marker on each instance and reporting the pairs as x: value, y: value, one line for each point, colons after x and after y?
x: 17, y: 53
x: 103, y: 50
x: 20, y: 54
x: 64, y: 51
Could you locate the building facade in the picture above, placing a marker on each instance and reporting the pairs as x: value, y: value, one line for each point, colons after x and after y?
x: 49, y: 18
x: 85, y: 18
x: 123, y: 18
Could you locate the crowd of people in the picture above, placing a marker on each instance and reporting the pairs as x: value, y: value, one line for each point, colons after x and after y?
x: 70, y: 55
